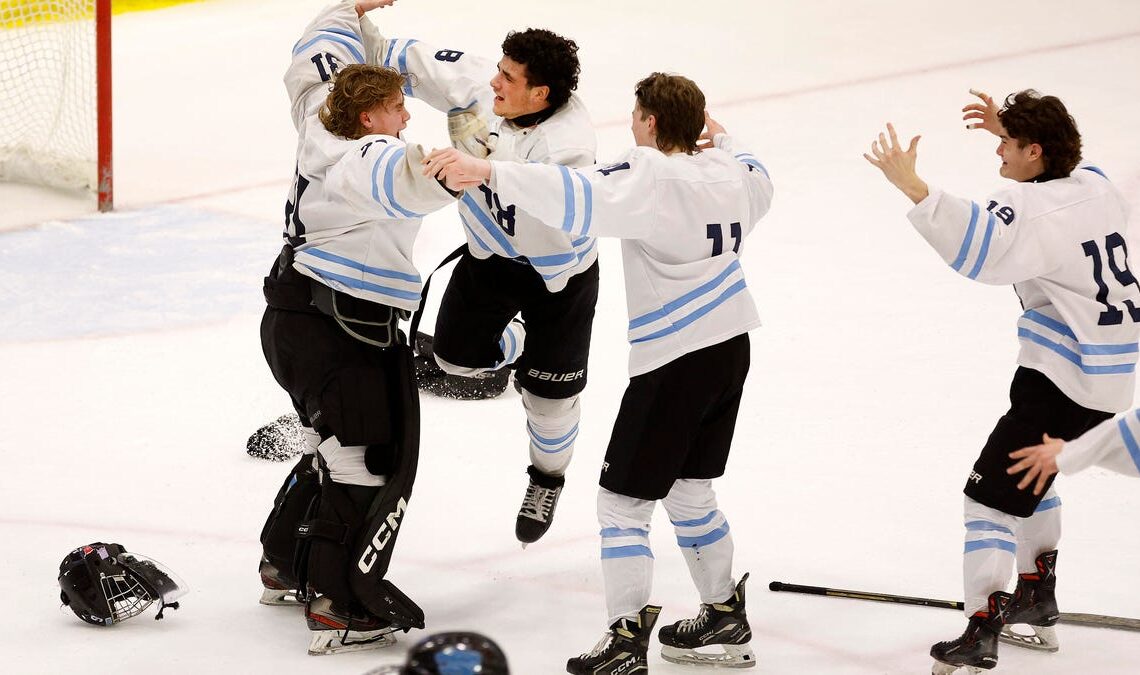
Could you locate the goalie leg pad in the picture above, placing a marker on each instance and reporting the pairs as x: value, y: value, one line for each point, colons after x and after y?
x: 278, y: 536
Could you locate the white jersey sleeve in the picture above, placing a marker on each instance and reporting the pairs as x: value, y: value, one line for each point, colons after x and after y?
x: 331, y: 40
x: 445, y: 79
x: 1112, y: 444
x: 386, y: 173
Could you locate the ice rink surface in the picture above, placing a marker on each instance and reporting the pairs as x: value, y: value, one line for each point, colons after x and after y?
x: 132, y: 373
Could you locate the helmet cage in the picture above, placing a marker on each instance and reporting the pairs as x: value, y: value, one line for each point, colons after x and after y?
x: 125, y: 595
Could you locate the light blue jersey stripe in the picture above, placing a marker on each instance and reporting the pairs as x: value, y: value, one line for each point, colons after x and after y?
x: 551, y: 441
x: 1096, y: 170
x: 969, y: 239
x: 1130, y: 441
x: 1074, y: 357
x: 678, y: 325
x: 587, y: 203
x: 403, y: 61
x: 389, y: 178
x: 567, y: 201
x: 985, y: 248
x: 366, y: 286
x: 1050, y: 323
x: 1045, y: 505
x: 328, y: 38
x: 685, y: 299
x: 376, y: 182
x: 489, y: 226
x: 374, y: 271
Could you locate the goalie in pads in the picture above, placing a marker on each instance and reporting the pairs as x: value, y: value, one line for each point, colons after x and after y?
x: 331, y: 336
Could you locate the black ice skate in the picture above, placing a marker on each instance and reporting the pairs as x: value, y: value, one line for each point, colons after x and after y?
x: 434, y: 380
x: 1035, y: 605
x: 723, y: 626
x: 977, y: 649
x: 624, y: 649
x: 537, y: 510
x: 335, y: 630
x: 279, y: 588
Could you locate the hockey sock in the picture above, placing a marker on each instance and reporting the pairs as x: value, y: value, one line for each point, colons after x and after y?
x: 552, y: 425
x: 511, y: 344
x: 627, y: 561
x: 988, y: 559
x: 346, y: 463
x: 1039, y: 533
x: 704, y: 537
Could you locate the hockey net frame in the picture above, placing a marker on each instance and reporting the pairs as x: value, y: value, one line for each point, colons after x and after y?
x: 60, y: 135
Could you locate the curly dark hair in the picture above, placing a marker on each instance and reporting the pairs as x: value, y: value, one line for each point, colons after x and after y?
x: 678, y: 104
x: 357, y: 88
x: 1029, y: 117
x: 550, y: 60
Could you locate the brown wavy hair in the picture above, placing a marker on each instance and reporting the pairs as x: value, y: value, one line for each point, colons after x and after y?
x: 1029, y: 117
x: 679, y: 106
x: 357, y: 88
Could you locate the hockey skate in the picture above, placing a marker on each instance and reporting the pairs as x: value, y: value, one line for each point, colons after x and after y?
x: 722, y: 625
x: 1034, y: 604
x: 335, y: 631
x: 537, y: 510
x: 279, y: 588
x: 624, y: 649
x: 977, y: 648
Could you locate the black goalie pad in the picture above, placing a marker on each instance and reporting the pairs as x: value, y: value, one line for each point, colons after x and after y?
x: 279, y: 534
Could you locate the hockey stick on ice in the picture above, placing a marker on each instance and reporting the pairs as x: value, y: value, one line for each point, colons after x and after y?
x: 1098, y: 620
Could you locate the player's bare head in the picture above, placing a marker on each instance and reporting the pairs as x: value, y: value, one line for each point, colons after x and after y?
x: 1029, y: 117
x: 678, y: 106
x: 356, y: 90
x: 551, y: 61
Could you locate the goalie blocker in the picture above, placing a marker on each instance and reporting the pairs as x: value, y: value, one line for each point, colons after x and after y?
x: 349, y: 371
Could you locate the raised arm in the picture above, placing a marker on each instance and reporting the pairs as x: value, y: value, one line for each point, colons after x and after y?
x: 332, y: 40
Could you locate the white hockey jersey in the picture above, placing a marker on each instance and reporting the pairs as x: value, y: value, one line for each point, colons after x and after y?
x: 450, y: 80
x: 682, y: 219
x: 1061, y: 243
x: 1112, y: 444
x: 356, y: 205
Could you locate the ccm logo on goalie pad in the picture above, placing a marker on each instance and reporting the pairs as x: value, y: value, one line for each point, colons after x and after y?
x: 555, y: 377
x: 380, y: 539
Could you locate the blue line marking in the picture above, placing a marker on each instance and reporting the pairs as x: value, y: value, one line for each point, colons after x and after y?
x: 678, y: 325
x: 985, y: 248
x: 389, y: 177
x: 1051, y: 503
x: 705, y: 539
x: 325, y: 38
x: 1073, y: 357
x: 980, y: 544
x: 1130, y: 440
x: 365, y: 285
x: 611, y: 532
x: 1051, y: 323
x: 374, y: 271
x: 587, y: 203
x: 685, y: 299
x: 695, y: 523
x: 987, y: 526
x: 567, y: 201
x: 404, y: 66
x: 551, y: 441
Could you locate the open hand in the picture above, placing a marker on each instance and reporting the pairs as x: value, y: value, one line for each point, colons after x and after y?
x: 985, y: 112
x: 712, y: 128
x: 363, y: 6
x: 1038, y: 461
x: 898, y: 164
x: 456, y: 169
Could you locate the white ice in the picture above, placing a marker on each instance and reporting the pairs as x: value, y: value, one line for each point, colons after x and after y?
x: 131, y: 371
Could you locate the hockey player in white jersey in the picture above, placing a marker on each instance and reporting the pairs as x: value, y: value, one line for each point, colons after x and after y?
x: 1112, y: 445
x: 682, y: 215
x: 1058, y: 235
x: 521, y: 109
x: 331, y: 337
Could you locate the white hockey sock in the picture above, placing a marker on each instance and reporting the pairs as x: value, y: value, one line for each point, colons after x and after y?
x: 988, y: 559
x: 1039, y: 533
x: 704, y: 537
x: 511, y: 344
x: 552, y: 425
x: 627, y: 561
x: 346, y: 464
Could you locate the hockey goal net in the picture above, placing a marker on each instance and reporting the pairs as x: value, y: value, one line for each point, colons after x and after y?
x: 55, y: 121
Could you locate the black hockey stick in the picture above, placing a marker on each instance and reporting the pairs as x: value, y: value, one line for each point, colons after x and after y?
x: 1098, y: 620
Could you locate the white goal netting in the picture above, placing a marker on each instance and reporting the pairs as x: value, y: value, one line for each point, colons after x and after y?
x: 48, y: 109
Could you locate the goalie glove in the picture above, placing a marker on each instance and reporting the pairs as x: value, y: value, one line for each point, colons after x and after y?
x: 470, y: 134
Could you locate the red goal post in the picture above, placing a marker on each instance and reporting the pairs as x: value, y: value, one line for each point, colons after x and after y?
x: 55, y: 95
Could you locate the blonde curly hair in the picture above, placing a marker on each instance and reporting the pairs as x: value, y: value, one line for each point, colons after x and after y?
x: 355, y: 89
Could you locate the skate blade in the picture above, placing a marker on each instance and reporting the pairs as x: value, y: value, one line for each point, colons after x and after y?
x: 732, y: 656
x: 280, y: 598
x: 941, y: 668
x: 337, y: 641
x: 1042, y: 638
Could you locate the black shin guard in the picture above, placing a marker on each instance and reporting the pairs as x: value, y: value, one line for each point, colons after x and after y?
x: 279, y: 535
